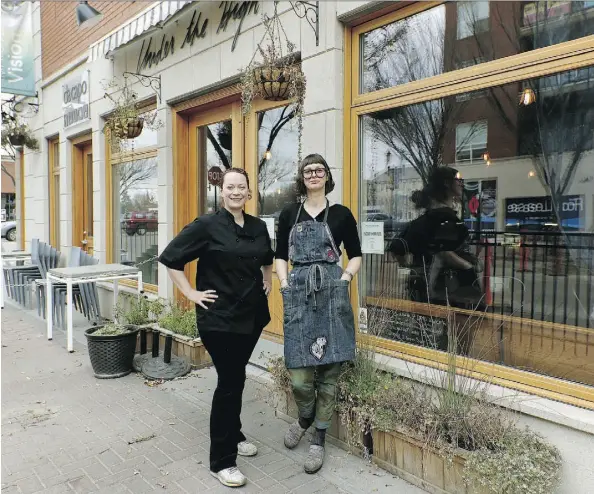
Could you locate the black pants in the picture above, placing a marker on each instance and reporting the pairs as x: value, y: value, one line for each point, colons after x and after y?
x: 230, y: 353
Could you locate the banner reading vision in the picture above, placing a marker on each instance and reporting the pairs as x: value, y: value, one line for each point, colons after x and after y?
x: 18, y: 61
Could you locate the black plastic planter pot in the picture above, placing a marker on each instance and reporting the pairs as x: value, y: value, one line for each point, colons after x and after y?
x: 112, y: 356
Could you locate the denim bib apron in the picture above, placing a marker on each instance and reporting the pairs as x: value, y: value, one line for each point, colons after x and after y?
x: 319, y: 326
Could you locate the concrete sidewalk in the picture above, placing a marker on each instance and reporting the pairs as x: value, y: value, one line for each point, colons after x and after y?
x: 64, y: 431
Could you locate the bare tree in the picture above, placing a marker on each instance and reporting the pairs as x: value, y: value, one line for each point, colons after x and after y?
x: 136, y: 172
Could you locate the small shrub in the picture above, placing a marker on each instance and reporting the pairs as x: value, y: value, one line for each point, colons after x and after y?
x: 280, y: 374
x: 111, y: 329
x: 138, y: 311
x: 179, y: 320
x: 520, y: 463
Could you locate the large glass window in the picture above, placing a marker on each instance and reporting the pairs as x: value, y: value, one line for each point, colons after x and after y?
x: 136, y: 215
x: 461, y: 34
x: 134, y: 205
x: 523, y: 155
x: 277, y: 163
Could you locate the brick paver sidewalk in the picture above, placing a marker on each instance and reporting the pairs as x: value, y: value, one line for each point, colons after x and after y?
x: 65, y: 431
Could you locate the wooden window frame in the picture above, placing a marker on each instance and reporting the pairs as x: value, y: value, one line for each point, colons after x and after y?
x: 54, y: 199
x: 115, y: 159
x: 543, y: 61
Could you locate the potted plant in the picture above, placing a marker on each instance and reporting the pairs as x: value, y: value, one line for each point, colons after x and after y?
x: 18, y: 134
x: 127, y: 120
x: 111, y: 349
x: 277, y: 76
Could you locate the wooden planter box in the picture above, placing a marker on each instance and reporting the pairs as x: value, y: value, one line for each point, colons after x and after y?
x: 399, y: 454
x: 191, y: 349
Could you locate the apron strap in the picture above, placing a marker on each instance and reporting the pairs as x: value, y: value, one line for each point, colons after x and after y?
x: 326, y: 212
x: 298, y: 214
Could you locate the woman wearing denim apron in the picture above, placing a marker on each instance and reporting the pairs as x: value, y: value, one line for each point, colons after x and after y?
x: 319, y: 327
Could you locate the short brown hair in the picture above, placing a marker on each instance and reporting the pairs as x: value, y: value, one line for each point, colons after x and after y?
x: 241, y: 171
x: 313, y: 159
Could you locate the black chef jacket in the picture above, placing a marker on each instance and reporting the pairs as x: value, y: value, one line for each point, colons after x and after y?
x: 230, y: 261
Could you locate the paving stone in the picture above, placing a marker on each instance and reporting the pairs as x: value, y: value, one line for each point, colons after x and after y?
x: 29, y: 484
x: 82, y: 485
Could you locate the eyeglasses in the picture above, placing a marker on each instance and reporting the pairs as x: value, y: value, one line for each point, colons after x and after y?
x: 318, y: 172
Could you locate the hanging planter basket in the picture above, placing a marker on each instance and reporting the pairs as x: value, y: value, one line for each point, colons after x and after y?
x: 17, y: 140
x: 128, y: 128
x: 274, y: 84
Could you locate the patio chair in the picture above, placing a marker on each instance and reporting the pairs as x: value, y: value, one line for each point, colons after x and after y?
x: 25, y: 278
x: 11, y: 271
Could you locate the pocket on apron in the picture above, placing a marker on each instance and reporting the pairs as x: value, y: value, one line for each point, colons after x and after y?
x: 342, y: 299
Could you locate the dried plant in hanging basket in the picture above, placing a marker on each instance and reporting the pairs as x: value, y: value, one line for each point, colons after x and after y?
x: 125, y: 122
x: 274, y: 84
x: 132, y: 128
x: 17, y: 134
x: 276, y: 75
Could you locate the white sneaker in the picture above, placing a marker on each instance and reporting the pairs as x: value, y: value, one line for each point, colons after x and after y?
x: 245, y: 448
x: 231, y: 477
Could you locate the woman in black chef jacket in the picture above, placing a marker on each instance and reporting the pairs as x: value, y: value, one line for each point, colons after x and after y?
x: 233, y: 281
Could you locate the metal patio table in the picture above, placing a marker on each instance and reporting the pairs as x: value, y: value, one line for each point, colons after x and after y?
x: 85, y: 274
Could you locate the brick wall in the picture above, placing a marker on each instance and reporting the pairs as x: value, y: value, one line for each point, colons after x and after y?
x: 62, y: 41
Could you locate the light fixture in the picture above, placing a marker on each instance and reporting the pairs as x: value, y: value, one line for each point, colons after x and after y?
x: 87, y: 16
x: 267, y: 155
x: 459, y: 176
x: 527, y: 97
x: 532, y: 174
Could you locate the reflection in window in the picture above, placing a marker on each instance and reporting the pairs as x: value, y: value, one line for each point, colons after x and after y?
x: 460, y: 34
x: 214, y: 148
x: 277, y: 161
x: 471, y: 141
x: 473, y: 18
x: 136, y: 215
x: 527, y: 201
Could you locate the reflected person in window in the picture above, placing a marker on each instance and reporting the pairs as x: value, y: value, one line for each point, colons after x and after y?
x: 233, y: 281
x: 445, y: 270
x: 319, y: 327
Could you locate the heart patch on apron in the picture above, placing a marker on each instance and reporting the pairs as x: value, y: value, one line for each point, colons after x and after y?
x: 318, y: 347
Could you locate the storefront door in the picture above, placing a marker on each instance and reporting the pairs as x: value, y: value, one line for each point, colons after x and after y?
x: 82, y: 181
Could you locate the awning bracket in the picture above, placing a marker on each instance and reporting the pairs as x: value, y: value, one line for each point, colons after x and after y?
x: 154, y: 82
x: 310, y: 11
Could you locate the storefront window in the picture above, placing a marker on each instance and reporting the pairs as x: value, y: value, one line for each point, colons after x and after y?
x: 215, y: 156
x: 136, y: 215
x: 460, y: 34
x: 523, y: 155
x: 277, y: 162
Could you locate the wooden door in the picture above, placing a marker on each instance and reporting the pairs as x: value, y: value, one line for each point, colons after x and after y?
x: 82, y: 179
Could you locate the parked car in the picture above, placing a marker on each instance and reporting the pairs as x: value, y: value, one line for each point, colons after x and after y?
x: 392, y: 227
x: 9, y: 231
x: 138, y: 223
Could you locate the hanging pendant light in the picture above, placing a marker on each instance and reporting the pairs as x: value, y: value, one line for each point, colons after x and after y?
x: 527, y: 97
x: 87, y: 16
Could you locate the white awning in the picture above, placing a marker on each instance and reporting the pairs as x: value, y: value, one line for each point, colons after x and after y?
x: 152, y: 18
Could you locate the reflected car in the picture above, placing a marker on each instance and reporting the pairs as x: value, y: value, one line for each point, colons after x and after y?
x: 9, y: 231
x: 139, y: 223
